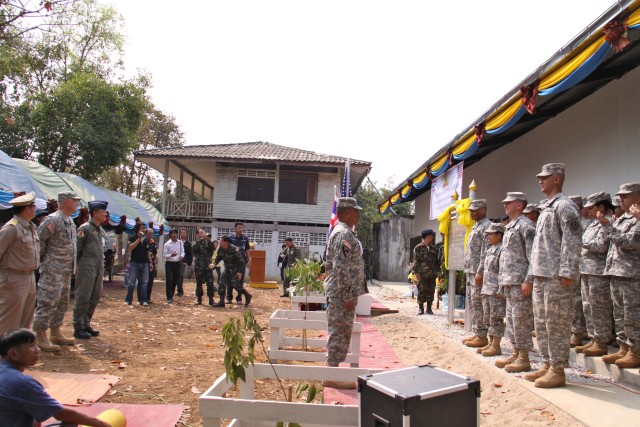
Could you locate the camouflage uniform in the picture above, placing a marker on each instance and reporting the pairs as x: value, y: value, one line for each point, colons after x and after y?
x: 555, y: 254
x: 234, y: 263
x: 57, y: 264
x: 91, y: 238
x: 579, y: 323
x: 292, y: 255
x: 474, y: 263
x: 202, y: 253
x: 425, y: 264
x: 344, y: 282
x: 492, y: 306
x: 623, y: 260
x: 596, y: 289
x: 514, y: 264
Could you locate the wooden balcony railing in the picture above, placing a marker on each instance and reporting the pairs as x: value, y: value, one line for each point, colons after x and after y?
x: 188, y: 209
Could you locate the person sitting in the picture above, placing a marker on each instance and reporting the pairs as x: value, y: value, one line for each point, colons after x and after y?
x: 23, y: 400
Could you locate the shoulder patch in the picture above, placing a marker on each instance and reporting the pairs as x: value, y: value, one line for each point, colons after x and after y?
x: 51, y: 228
x: 574, y: 225
x: 636, y: 238
x: 80, y: 234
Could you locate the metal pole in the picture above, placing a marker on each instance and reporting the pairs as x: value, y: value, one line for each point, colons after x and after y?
x: 380, y: 194
x: 452, y: 296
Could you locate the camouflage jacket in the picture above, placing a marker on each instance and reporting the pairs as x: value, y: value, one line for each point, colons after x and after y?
x: 425, y: 260
x: 557, y: 245
x: 491, y: 269
x: 57, y: 243
x: 202, y: 253
x: 233, y: 261
x: 344, y: 265
x: 623, y: 258
x: 595, y: 245
x: 476, y: 245
x: 516, y: 251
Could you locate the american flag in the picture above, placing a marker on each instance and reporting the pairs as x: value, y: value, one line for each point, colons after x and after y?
x: 345, y: 191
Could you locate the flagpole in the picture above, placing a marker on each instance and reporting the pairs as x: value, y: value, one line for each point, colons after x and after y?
x: 380, y: 194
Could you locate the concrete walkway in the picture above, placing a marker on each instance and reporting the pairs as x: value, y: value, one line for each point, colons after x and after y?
x: 594, y: 403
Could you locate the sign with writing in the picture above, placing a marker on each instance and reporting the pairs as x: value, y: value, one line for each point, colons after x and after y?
x: 456, y: 245
x: 443, y: 187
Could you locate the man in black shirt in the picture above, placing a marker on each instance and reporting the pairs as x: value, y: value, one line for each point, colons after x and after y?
x: 153, y: 251
x: 186, y: 262
x: 139, y: 265
x: 240, y: 241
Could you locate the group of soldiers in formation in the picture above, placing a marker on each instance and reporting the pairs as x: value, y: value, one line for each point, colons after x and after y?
x: 566, y: 268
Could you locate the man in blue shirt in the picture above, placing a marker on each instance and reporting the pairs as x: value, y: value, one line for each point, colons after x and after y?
x: 23, y: 400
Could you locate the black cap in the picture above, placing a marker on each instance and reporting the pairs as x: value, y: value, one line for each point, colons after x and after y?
x: 426, y: 232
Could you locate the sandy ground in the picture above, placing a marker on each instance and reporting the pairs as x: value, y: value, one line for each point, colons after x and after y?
x: 171, y: 354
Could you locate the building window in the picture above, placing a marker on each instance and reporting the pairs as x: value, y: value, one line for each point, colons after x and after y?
x: 299, y: 188
x: 255, y: 185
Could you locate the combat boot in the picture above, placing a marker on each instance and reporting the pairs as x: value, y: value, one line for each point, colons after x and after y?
x: 582, y: 348
x: 43, y: 342
x: 493, y: 348
x: 199, y: 300
x: 597, y: 349
x: 501, y: 363
x: 420, y: 309
x: 610, y: 359
x: 630, y: 360
x: 521, y: 364
x: 247, y: 298
x: 81, y: 333
x: 429, y: 311
x: 58, y: 338
x: 220, y: 304
x: 210, y: 300
x: 486, y: 347
x: 532, y: 376
x: 477, y: 342
x: 464, y: 340
x: 553, y: 378
x: 576, y: 339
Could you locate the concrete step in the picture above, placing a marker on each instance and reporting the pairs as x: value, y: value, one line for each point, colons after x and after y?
x: 627, y: 377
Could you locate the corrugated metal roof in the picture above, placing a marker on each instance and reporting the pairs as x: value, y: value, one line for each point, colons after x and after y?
x: 247, y: 151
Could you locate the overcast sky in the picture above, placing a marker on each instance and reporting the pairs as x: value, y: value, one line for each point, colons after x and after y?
x: 389, y: 82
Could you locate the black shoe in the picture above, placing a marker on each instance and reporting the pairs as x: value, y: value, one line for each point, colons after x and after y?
x: 247, y: 297
x: 420, y: 309
x: 211, y: 301
x: 93, y: 332
x: 228, y: 301
x: 238, y: 300
x: 429, y: 309
x: 199, y: 301
x: 180, y: 294
x: 220, y: 304
x: 81, y: 334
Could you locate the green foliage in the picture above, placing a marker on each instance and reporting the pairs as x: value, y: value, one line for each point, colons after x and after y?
x: 234, y: 337
x: 312, y: 392
x: 443, y: 286
x: 305, y: 275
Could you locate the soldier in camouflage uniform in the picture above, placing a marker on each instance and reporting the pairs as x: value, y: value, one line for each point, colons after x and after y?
x: 91, y: 239
x: 532, y: 212
x: 425, y: 268
x: 596, y: 289
x: 555, y: 256
x: 202, y: 253
x: 292, y: 255
x: 493, y: 303
x: 623, y: 260
x: 344, y: 283
x: 234, y: 265
x: 474, y: 261
x: 514, y: 264
x: 579, y: 323
x: 57, y: 234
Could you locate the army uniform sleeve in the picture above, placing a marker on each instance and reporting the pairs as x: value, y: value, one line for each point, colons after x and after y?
x: 81, y: 238
x: 45, y: 230
x: 239, y: 261
x: 599, y: 243
x: 196, y: 248
x: 571, y: 240
x: 528, y: 235
x: 483, y: 252
x: 627, y: 236
x: 415, y: 263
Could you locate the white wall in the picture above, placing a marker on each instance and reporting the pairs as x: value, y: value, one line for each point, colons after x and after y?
x: 598, y: 139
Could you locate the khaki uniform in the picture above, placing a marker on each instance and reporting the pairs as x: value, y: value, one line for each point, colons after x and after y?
x: 19, y: 257
x: 91, y: 240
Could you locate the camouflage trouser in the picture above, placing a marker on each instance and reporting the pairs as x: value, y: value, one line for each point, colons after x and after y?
x: 340, y: 325
x: 228, y: 280
x: 204, y: 274
x: 474, y: 300
x: 519, y: 317
x: 625, y: 293
x: 426, y: 288
x: 553, y: 319
x: 597, y: 306
x: 52, y: 299
x: 493, y: 309
x: 579, y: 325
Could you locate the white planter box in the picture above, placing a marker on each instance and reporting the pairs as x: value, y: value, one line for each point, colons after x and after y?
x: 246, y: 411
x: 281, y: 320
x: 307, y: 299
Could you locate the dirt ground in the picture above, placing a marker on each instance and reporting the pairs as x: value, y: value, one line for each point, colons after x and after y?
x: 171, y: 354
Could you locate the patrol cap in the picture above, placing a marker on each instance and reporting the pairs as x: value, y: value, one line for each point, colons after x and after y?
x: 24, y: 200
x: 427, y: 232
x: 551, y: 168
x: 597, y: 197
x: 577, y: 200
x: 615, y: 202
x: 478, y: 204
x: 348, y: 202
x: 515, y: 195
x: 531, y: 207
x: 631, y: 187
x: 67, y: 195
x: 494, y: 227
x: 98, y: 204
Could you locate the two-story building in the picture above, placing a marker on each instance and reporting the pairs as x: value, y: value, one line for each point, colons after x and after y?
x: 276, y: 191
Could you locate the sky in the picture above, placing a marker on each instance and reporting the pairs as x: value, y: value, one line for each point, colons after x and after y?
x: 388, y: 82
